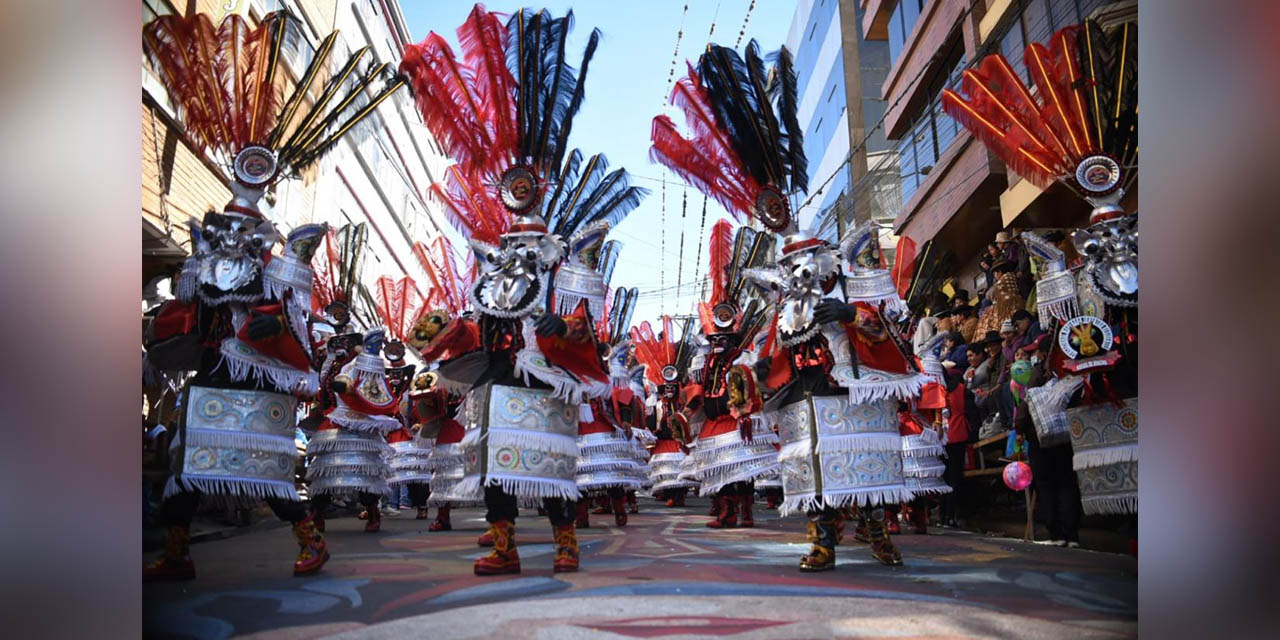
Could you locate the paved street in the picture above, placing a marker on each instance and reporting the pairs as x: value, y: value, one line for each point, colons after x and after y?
x: 664, y: 575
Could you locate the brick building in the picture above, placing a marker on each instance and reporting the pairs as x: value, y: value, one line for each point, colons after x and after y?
x: 378, y: 178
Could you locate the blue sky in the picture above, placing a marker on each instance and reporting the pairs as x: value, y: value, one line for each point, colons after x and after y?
x: 626, y: 88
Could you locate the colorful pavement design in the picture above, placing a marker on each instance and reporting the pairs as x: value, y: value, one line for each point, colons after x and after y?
x: 665, y: 575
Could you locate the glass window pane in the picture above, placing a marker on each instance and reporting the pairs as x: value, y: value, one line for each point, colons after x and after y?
x: 896, y: 35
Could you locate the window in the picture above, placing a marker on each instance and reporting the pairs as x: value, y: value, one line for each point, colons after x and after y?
x: 901, y: 22
x: 932, y: 131
x: 1035, y: 21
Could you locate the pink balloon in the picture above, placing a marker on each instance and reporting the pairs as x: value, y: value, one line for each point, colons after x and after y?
x: 1017, y: 475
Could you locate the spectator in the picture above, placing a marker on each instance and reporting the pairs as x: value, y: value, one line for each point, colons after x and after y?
x: 963, y: 320
x: 961, y: 299
x: 992, y: 398
x: 960, y: 430
x: 988, y: 262
x: 1027, y: 330
x: 1005, y: 299
x: 978, y: 374
x: 1054, y: 480
x: 1007, y: 335
x: 953, y: 350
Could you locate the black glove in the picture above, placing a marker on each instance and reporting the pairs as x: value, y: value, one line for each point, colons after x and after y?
x: 762, y: 366
x: 262, y: 326
x: 550, y: 325
x: 832, y: 310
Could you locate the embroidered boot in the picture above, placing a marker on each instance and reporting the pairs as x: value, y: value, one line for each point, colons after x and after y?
x: 822, y: 557
x: 728, y: 513
x: 583, y: 517
x: 602, y: 506
x: 422, y: 514
x: 374, y: 524
x: 619, y: 511
x: 745, y: 517
x: 175, y: 563
x: 881, y: 543
x: 312, y: 551
x: 486, y: 538
x: 504, y: 558
x: 441, y: 523
x: 566, y: 549
x: 317, y: 516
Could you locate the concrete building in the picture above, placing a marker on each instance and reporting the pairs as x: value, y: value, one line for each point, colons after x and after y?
x: 954, y: 193
x: 378, y: 176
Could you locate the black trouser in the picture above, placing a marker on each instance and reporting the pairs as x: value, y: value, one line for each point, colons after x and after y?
x: 418, y: 494
x: 180, y: 508
x: 1057, y: 491
x: 501, y: 505
x: 367, y: 500
x: 737, y: 489
x: 954, y: 477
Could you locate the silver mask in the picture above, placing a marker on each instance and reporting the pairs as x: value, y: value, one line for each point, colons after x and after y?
x: 1110, y: 250
x: 229, y: 250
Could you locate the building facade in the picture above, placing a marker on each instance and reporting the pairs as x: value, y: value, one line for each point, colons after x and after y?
x: 378, y: 175
x: 954, y: 195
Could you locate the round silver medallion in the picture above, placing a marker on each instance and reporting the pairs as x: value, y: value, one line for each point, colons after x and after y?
x: 772, y: 209
x: 519, y: 189
x: 1098, y: 174
x: 255, y: 166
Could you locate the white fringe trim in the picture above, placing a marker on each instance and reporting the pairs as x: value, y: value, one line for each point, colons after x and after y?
x: 281, y: 376
x: 1104, y: 456
x: 1062, y: 310
x: 925, y: 471
x: 585, y: 466
x: 243, y: 298
x: 241, y: 440
x: 398, y: 479
x: 524, y: 439
x: 521, y: 486
x: 903, y: 388
x: 1110, y: 504
x: 356, y: 421
x: 563, y: 386
x: 319, y: 470
x: 870, y: 497
x: 322, y: 486
x: 255, y: 488
x: 862, y: 443
x: 343, y: 445
x: 933, y: 450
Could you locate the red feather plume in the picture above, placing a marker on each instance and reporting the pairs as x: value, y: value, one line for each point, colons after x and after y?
x: 470, y: 206
x: 720, y: 254
x: 398, y: 304
x: 1041, y: 137
x: 327, y: 267
x: 448, y: 286
x: 652, y: 351
x: 222, y: 78
x: 707, y: 159
x: 468, y: 104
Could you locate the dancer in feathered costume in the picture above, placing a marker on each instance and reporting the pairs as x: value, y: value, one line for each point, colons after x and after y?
x: 607, y: 466
x: 834, y: 416
x: 1080, y: 130
x: 399, y: 302
x: 504, y: 113
x: 442, y: 338
x: 923, y: 425
x: 348, y: 453
x: 666, y: 364
x: 241, y: 318
x: 732, y: 449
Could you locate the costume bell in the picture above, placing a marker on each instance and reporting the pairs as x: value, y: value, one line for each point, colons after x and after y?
x: 241, y: 317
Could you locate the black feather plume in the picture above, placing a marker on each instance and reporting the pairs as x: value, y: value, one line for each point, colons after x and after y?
x: 783, y: 91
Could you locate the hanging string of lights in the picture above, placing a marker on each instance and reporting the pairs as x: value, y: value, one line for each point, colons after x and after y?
x: 702, y: 229
x: 662, y: 263
x: 684, y: 210
x: 675, y: 56
x: 743, y: 31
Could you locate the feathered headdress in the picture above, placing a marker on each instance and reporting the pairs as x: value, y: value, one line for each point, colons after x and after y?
x: 337, y: 266
x: 399, y: 303
x: 746, y: 148
x: 666, y: 359
x: 1081, y: 128
x: 504, y: 112
x: 448, y: 283
x: 233, y: 102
